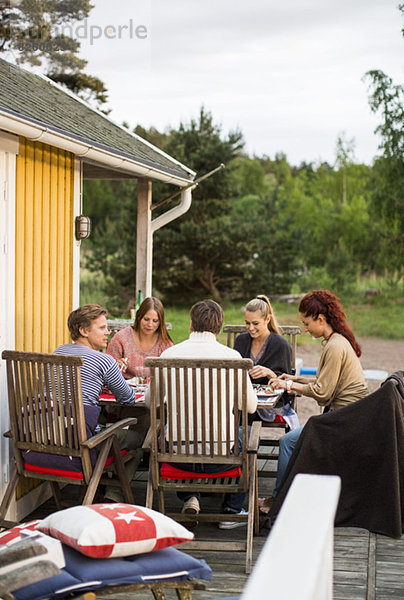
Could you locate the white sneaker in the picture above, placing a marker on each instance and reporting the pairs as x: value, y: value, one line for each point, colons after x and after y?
x: 233, y: 524
x: 191, y: 506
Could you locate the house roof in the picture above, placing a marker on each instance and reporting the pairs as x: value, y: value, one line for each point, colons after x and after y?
x: 37, y: 100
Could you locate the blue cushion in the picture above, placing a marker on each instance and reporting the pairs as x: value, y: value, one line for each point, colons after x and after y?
x: 84, y: 573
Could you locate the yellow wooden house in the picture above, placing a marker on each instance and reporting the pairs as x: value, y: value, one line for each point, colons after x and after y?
x: 49, y: 141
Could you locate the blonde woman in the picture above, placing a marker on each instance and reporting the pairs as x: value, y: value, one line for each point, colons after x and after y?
x: 270, y: 353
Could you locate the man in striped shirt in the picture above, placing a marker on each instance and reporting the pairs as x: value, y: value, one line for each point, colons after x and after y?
x: 89, y: 331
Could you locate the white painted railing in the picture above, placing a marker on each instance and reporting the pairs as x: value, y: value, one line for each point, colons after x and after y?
x: 296, y: 562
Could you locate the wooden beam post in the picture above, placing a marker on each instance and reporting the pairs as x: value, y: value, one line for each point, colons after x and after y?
x: 144, y: 239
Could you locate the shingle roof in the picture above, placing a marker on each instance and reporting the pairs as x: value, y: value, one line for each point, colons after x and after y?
x: 37, y: 100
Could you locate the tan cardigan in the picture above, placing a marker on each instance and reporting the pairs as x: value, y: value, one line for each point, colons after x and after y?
x: 340, y: 379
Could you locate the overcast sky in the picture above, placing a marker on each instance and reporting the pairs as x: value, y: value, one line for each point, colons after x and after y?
x: 287, y: 73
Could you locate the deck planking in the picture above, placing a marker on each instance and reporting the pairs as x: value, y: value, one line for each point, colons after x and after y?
x: 366, y: 566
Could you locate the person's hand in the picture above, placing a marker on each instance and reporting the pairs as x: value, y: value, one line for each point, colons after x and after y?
x: 259, y: 371
x: 278, y: 383
x: 285, y: 377
x: 123, y: 364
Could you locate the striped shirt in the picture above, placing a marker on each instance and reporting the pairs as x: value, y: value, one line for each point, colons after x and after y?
x: 99, y: 370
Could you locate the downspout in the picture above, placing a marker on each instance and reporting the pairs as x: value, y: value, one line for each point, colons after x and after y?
x: 144, y: 255
x: 167, y: 217
x: 174, y: 213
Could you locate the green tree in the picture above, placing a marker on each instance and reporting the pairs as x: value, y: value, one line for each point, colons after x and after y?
x: 273, y: 259
x: 250, y: 177
x: 345, y: 158
x: 111, y: 249
x: 205, y: 248
x: 336, y: 241
x: 387, y: 100
x: 35, y: 32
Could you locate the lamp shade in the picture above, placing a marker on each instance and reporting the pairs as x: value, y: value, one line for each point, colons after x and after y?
x: 83, y: 227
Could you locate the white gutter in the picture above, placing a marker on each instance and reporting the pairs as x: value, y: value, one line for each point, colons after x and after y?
x: 174, y: 213
x: 35, y: 132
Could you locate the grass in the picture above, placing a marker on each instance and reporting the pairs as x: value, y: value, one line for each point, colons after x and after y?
x: 383, y: 321
x: 379, y: 318
x: 233, y: 315
x: 180, y: 321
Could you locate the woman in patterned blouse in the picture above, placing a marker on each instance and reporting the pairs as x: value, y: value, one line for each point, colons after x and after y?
x: 148, y: 336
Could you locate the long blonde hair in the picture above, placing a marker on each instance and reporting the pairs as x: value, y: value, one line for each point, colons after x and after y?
x: 261, y: 303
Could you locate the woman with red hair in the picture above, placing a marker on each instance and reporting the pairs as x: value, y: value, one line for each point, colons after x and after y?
x: 339, y: 379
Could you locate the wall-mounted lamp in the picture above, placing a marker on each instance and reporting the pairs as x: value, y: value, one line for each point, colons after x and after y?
x: 83, y: 227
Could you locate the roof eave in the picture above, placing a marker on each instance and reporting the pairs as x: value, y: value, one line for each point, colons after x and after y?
x: 113, y: 160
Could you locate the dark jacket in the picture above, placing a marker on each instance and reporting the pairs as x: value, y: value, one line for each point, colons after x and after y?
x: 277, y: 355
x: 363, y: 443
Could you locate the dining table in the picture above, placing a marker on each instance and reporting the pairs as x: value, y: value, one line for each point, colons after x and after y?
x: 112, y: 411
x: 140, y: 387
x: 267, y: 397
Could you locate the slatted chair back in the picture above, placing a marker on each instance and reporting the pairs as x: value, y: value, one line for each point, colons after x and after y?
x: 201, y: 397
x: 267, y: 441
x: 47, y: 416
x: 205, y: 403
x: 289, y: 332
x: 46, y: 405
x: 115, y: 325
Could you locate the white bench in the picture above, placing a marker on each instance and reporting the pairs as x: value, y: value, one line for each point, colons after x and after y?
x: 296, y: 561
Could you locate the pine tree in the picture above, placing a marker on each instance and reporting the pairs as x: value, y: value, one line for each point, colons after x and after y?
x: 35, y: 32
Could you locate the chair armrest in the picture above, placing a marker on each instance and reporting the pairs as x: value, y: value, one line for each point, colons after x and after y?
x: 98, y: 438
x: 254, y: 439
x: 147, y: 442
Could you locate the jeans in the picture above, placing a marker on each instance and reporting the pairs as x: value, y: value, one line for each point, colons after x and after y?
x: 286, y: 446
x: 232, y: 503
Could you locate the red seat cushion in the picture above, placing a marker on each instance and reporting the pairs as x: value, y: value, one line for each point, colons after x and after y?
x: 168, y: 471
x: 110, y: 458
x: 64, y: 472
x: 49, y: 471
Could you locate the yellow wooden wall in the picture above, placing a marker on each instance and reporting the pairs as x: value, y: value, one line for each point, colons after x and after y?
x: 44, y: 246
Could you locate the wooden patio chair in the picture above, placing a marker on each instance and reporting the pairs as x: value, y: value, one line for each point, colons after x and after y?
x: 290, y: 333
x: 115, y: 325
x: 24, y: 562
x: 47, y: 417
x: 201, y: 403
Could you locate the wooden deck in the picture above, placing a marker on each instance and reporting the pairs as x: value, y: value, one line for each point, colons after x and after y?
x: 366, y: 566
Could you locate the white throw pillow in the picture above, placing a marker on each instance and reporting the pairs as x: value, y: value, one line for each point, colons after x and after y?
x: 110, y: 530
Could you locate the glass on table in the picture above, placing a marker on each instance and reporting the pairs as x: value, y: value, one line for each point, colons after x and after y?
x: 143, y: 374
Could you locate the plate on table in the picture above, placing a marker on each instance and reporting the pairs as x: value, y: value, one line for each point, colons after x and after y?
x: 139, y: 388
x: 136, y: 382
x: 267, y: 394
